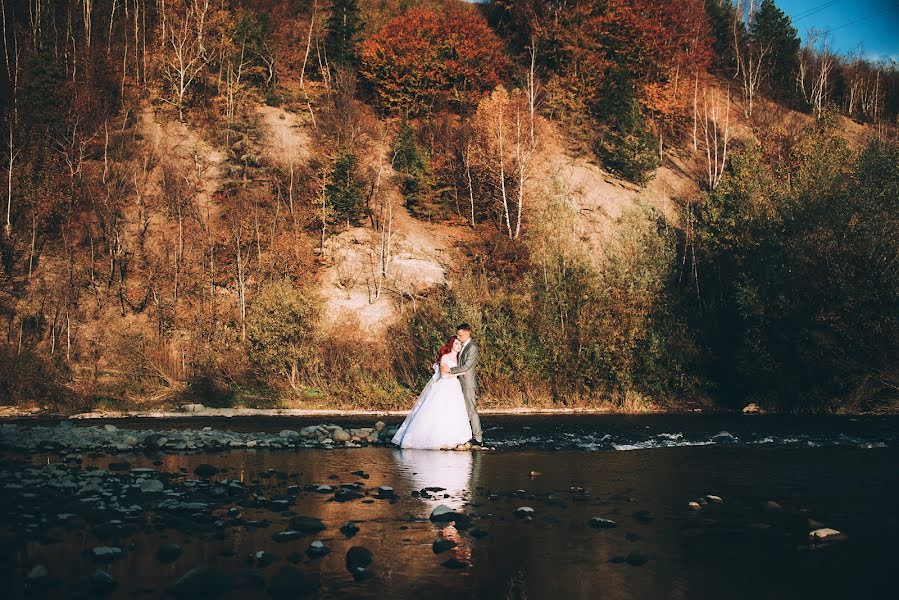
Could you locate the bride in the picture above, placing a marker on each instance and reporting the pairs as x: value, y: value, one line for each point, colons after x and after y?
x: 439, y: 419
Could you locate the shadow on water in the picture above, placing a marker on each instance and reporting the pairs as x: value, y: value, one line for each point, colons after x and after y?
x: 739, y: 549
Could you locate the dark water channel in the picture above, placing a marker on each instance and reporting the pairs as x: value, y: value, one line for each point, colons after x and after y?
x: 742, y: 548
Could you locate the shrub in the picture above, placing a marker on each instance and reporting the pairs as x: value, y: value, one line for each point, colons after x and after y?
x: 281, y: 332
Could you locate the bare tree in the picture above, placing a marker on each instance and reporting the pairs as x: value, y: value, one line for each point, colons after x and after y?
x: 187, y: 53
x: 715, y: 136
x: 750, y: 57
x: 816, y: 63
x: 12, y: 71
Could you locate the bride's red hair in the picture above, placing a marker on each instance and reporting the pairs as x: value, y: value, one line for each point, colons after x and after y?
x: 447, y: 347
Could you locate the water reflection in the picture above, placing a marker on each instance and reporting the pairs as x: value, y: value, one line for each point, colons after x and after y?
x: 451, y: 471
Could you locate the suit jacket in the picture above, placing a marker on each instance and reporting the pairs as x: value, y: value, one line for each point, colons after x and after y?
x: 468, y: 359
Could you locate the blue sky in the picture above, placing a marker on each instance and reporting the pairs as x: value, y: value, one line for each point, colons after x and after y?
x: 874, y: 23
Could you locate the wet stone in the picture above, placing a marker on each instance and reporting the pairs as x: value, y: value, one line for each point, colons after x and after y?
x: 317, y: 549
x: 168, y: 553
x: 349, y: 529
x: 600, y: 523
x: 442, y: 545
x: 454, y: 564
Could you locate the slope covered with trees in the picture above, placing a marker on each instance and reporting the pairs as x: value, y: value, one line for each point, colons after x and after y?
x: 636, y: 204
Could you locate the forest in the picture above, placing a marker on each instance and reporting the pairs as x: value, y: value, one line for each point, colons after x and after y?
x: 276, y: 203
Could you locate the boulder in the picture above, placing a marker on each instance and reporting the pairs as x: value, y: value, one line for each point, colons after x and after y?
x: 339, y: 435
x: 349, y: 529
x: 753, y: 409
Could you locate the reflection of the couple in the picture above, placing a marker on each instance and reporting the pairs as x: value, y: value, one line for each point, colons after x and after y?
x: 437, y: 468
x: 456, y: 472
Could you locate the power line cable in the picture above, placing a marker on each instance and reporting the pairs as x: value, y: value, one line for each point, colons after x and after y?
x: 814, y: 10
x: 874, y: 14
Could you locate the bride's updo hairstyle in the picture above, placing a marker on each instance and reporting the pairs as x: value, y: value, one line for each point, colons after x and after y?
x: 447, y: 347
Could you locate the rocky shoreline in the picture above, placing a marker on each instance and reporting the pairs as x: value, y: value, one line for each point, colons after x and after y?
x: 66, y: 438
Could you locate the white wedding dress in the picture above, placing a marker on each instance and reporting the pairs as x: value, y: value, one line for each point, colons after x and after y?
x: 439, y: 419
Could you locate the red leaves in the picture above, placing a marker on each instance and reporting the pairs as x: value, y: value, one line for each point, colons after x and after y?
x: 422, y: 59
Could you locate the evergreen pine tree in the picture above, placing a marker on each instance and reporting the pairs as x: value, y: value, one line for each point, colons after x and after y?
x: 344, y: 192
x: 342, y: 27
x: 771, y: 28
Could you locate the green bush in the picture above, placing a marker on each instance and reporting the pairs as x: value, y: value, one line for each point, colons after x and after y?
x: 281, y: 331
x: 416, y: 180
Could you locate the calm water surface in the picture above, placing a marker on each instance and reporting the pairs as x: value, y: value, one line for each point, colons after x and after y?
x: 737, y: 550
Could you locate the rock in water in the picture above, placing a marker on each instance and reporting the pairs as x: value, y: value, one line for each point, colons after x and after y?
x: 168, y: 553
x: 205, y: 470
x: 339, y: 435
x: 289, y: 582
x: 636, y: 559
x: 201, y: 582
x: 358, y: 557
x: 37, y: 573
x: 316, y: 549
x: 287, y: 536
x: 454, y: 564
x: 600, y: 523
x: 106, y: 553
x: 307, y: 524
x: 443, y: 513
x: 102, y: 582
x: 523, y: 512
x: 823, y: 533
x: 150, y: 486
x: 711, y: 499
x: 442, y: 545
x: 349, y: 529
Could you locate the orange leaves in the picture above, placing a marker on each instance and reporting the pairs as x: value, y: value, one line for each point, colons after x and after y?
x: 422, y: 59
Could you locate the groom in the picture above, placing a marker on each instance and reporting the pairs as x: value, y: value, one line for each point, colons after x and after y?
x: 468, y: 358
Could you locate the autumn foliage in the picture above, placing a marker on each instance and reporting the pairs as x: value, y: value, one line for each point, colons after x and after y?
x: 422, y: 60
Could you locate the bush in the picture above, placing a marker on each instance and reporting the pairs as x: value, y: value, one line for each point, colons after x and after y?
x: 416, y: 181
x: 281, y: 331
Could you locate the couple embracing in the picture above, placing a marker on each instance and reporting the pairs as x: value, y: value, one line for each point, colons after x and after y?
x: 445, y: 416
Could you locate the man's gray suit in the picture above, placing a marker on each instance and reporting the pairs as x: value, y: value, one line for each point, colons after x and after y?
x: 467, y: 361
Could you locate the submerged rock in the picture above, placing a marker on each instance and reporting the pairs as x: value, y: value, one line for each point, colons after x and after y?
x: 349, y: 529
x: 307, y: 524
x: 201, y: 582
x: 168, y: 553
x: 454, y: 564
x: 102, y: 582
x: 205, y: 470
x: 442, y: 545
